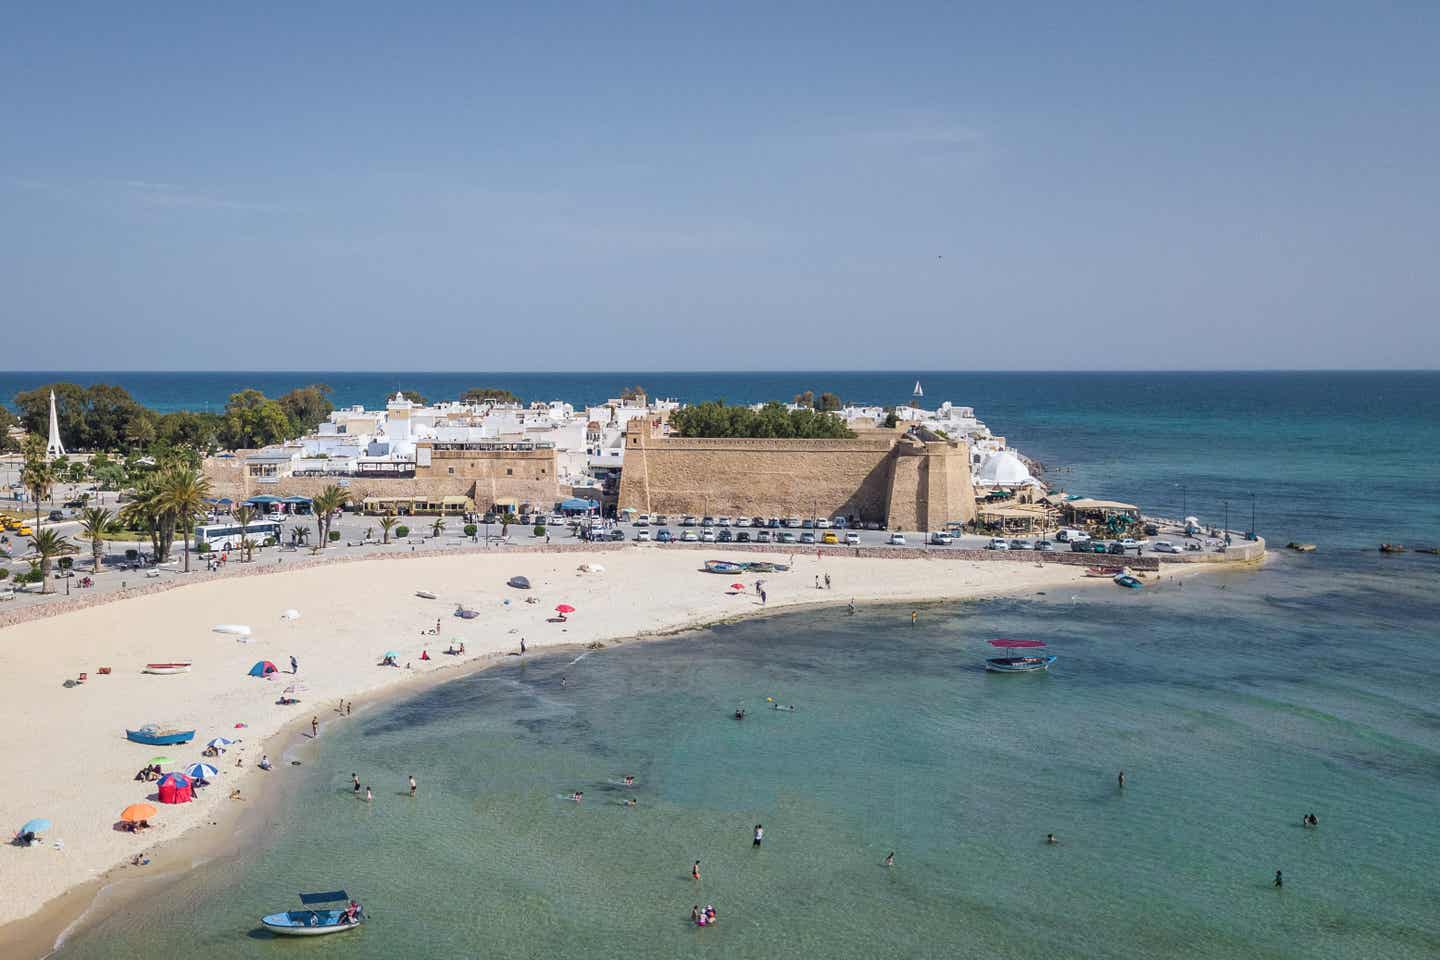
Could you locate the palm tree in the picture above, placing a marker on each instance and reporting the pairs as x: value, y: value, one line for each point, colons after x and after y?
x: 185, y: 492
x: 49, y: 545
x: 437, y: 526
x: 94, y: 522
x: 148, y: 510
x: 332, y: 498
x: 505, y: 522
x: 387, y: 523
x: 245, y: 516
x: 38, y: 474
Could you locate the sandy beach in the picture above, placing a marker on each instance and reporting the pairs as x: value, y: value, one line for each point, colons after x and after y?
x: 77, y: 769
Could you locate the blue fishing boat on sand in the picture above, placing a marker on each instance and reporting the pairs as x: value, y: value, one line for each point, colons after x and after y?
x: 1125, y: 580
x: 160, y: 735
x: 1021, y: 664
x: 723, y: 566
x: 316, y: 919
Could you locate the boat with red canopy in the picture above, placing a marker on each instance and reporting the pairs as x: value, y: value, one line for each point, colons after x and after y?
x: 1019, y: 664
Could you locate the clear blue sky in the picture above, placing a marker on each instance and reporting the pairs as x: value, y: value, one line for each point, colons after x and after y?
x: 721, y: 186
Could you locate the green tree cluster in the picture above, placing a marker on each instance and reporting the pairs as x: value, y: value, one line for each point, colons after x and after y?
x: 714, y: 419
x: 827, y: 402
x: 487, y: 394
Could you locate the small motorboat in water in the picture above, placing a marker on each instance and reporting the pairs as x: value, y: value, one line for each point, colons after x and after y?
x: 313, y: 922
x: 1125, y: 580
x: 160, y: 735
x: 1018, y: 664
x: 1392, y: 548
x: 178, y: 666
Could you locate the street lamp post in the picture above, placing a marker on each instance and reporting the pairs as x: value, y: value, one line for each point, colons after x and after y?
x: 1227, y: 522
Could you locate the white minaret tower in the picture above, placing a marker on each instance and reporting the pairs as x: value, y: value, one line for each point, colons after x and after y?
x: 54, y: 448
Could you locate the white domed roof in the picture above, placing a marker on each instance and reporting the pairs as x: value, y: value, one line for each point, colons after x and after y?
x: 1003, y: 468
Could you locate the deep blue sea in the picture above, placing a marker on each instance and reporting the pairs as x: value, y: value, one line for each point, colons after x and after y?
x: 1345, y: 458
x: 1235, y: 703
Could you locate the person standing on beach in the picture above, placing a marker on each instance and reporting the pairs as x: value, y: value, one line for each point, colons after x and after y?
x: 355, y: 777
x: 695, y: 871
x: 1121, y: 780
x: 294, y: 664
x: 914, y: 616
x: 349, y: 705
x: 314, y: 727
x: 852, y: 606
x: 1279, y: 880
x: 522, y: 646
x: 412, y: 784
x: 369, y: 797
x: 827, y: 581
x: 759, y: 835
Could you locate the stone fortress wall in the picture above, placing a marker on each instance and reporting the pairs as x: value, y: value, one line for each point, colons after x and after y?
x: 880, y: 475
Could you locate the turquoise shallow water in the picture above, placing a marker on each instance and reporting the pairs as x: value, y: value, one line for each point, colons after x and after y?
x: 1235, y: 704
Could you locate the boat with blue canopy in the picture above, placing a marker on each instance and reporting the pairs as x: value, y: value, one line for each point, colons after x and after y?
x: 317, y: 919
x: 1126, y: 580
x: 1021, y: 664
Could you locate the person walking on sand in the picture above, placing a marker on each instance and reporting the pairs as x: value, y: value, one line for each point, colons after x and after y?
x: 827, y: 581
x: 817, y: 581
x: 294, y: 664
x: 412, y: 784
x: 369, y: 796
x: 349, y: 705
x: 695, y: 871
x: 314, y: 727
x: 522, y: 646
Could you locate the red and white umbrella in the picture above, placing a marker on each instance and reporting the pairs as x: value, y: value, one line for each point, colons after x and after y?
x: 564, y: 608
x: 738, y: 587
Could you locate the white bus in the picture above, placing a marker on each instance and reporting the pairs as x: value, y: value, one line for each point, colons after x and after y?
x: 227, y: 536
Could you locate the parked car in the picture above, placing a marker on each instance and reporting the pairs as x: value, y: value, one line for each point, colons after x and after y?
x: 660, y: 520
x: 807, y: 537
x: 940, y: 538
x: 1045, y: 545
x: 829, y: 537
x: 852, y: 539
x: 897, y: 539
x: 1130, y: 543
x: 822, y: 524
x: 707, y: 521
x: 998, y: 543
x: 742, y: 521
x: 725, y: 535
x: 762, y: 536
x: 617, y: 535
x: 742, y: 536
x: 643, y: 520
x: 786, y: 537
x: 56, y: 515
x: 1070, y: 535
x: 839, y: 523
x: 873, y: 525
x: 773, y: 523
x: 1117, y: 548
x: 687, y: 521
x: 1165, y: 546
x: 663, y: 536
x: 1020, y: 545
x: 642, y: 536
x: 688, y: 536
x: 723, y: 522
x: 707, y: 535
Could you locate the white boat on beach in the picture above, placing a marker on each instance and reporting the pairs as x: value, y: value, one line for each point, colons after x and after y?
x: 177, y: 666
x: 232, y: 629
x: 425, y: 595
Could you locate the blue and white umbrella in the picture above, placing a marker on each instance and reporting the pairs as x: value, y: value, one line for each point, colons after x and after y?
x: 201, y: 771
x: 219, y: 743
x: 38, y: 825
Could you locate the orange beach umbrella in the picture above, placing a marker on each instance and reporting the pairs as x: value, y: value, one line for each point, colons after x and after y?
x: 137, y: 812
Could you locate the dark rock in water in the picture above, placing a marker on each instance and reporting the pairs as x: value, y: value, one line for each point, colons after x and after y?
x: 1300, y: 547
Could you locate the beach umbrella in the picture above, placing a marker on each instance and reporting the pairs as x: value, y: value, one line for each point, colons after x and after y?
x: 737, y: 586
x: 38, y: 825
x: 219, y: 743
x: 161, y: 760
x: 290, y: 615
x: 564, y: 608
x: 201, y: 771
x: 175, y: 788
x: 137, y: 812
x: 392, y: 655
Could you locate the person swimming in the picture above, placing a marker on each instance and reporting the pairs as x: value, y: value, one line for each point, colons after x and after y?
x: 629, y: 779
x: 739, y: 713
x: 890, y: 859
x: 1050, y: 838
x: 577, y: 796
x: 631, y: 802
x: 1279, y: 880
